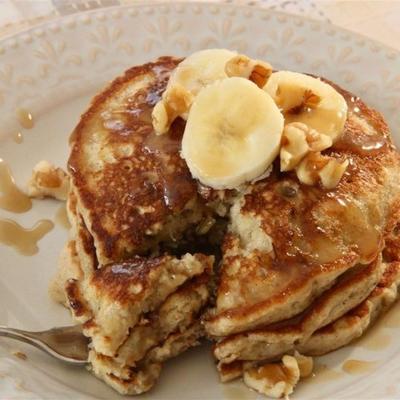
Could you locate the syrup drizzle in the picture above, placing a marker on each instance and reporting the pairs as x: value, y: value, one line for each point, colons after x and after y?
x: 18, y: 137
x: 358, y: 367
x: 11, y: 198
x: 322, y: 373
x: 25, y: 118
x: 23, y: 240
x: 375, y: 341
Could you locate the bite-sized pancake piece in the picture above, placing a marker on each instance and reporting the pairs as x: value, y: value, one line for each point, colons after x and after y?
x: 310, y: 235
x: 128, y: 380
x: 115, y: 298
x: 180, y: 310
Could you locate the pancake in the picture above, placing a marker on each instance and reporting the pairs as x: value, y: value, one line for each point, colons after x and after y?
x: 272, y: 298
x: 292, y: 259
x: 340, y: 332
x: 134, y: 190
x: 314, y: 234
x: 116, y: 298
x: 275, y: 340
x: 139, y: 380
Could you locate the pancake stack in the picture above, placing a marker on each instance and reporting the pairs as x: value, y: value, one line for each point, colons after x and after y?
x: 139, y: 305
x: 298, y: 268
x: 320, y: 278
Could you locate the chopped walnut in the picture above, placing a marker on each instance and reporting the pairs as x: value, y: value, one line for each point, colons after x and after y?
x: 254, y: 70
x: 279, y: 379
x: 306, y: 364
x: 316, y: 167
x: 175, y: 102
x: 332, y: 173
x: 48, y: 181
x: 274, y: 380
x: 298, y: 140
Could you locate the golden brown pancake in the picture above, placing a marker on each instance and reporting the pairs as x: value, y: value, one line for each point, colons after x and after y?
x: 133, y: 188
x: 341, y: 332
x: 295, y: 259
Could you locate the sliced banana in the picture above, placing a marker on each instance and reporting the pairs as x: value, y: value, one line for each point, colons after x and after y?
x: 200, y: 69
x: 232, y: 134
x: 303, y: 98
x: 190, y: 76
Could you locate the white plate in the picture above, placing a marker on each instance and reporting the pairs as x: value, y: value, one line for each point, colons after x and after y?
x: 53, y: 70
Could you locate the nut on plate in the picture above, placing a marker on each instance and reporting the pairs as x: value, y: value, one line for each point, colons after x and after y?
x: 279, y: 379
x: 48, y: 181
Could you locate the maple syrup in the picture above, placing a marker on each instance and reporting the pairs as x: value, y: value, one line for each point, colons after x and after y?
x: 25, y: 118
x: 273, y: 373
x: 375, y: 338
x: 18, y: 137
x: 22, y: 239
x: 358, y: 367
x: 11, y: 198
x: 322, y: 373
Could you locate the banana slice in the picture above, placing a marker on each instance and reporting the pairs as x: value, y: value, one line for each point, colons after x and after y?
x: 232, y: 134
x: 190, y: 76
x: 303, y: 98
x: 200, y: 69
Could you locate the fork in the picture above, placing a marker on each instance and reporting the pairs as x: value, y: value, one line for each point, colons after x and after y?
x: 67, y: 343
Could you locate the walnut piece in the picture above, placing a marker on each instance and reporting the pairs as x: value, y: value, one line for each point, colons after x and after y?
x: 316, y: 167
x: 298, y: 140
x: 254, y: 70
x: 176, y: 101
x: 48, y: 181
x: 279, y: 379
x: 306, y: 364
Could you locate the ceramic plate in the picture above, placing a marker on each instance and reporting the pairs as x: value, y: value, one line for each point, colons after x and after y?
x: 53, y: 70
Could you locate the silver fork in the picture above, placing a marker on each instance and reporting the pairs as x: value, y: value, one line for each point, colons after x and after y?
x: 67, y: 343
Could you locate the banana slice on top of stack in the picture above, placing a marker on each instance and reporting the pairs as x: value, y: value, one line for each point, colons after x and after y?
x: 232, y: 134
x: 303, y: 98
x: 240, y: 115
x: 192, y: 74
